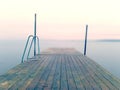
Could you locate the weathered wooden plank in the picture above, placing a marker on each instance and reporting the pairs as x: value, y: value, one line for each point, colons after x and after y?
x: 59, y: 69
x: 50, y: 79
x: 95, y: 77
x: 12, y: 79
x: 101, y: 75
x: 64, y: 79
x: 89, y: 76
x: 24, y: 81
x: 56, y: 81
x: 79, y: 82
x: 74, y: 73
x: 71, y: 81
x: 36, y: 79
x: 95, y: 74
x: 104, y: 84
x: 83, y: 73
x: 33, y: 73
x: 42, y: 81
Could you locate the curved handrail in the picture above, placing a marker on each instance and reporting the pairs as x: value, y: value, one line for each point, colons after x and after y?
x: 33, y: 37
x: 32, y: 44
x: 30, y: 48
x: 26, y: 47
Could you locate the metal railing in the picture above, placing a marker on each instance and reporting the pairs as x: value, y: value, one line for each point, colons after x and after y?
x: 34, y: 41
x: 33, y: 37
x: 29, y: 50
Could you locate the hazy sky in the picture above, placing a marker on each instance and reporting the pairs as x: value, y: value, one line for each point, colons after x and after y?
x: 60, y: 19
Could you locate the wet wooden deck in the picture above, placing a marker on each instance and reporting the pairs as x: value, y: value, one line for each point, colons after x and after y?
x: 59, y: 69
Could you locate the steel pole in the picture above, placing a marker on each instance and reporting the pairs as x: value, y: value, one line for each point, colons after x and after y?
x: 35, y: 36
x: 85, y: 45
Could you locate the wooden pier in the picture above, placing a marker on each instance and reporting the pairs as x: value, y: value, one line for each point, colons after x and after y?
x: 59, y: 69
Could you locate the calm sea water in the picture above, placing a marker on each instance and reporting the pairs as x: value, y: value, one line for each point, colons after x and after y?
x: 104, y: 53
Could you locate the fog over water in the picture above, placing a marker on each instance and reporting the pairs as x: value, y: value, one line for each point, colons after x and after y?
x: 106, y: 53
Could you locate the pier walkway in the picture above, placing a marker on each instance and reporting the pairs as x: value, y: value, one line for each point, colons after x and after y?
x: 59, y: 69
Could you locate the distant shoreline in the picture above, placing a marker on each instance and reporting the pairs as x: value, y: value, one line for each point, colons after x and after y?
x: 97, y: 40
x: 108, y: 40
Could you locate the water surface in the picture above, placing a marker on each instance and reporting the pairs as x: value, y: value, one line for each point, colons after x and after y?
x: 103, y: 52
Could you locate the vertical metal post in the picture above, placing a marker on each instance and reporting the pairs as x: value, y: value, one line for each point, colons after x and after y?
x: 35, y: 36
x: 85, y: 45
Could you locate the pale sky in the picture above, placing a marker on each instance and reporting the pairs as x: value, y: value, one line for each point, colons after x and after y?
x: 60, y: 19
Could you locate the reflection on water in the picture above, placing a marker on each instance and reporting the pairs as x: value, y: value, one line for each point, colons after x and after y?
x: 104, y: 53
